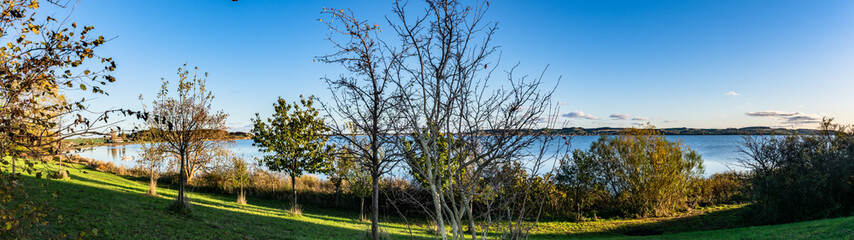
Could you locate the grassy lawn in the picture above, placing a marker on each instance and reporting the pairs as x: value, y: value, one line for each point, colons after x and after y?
x: 114, y: 207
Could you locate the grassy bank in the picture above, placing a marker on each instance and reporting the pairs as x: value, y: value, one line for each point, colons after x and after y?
x: 113, y: 207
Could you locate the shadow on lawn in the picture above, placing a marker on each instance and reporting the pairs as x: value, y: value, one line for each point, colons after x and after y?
x: 704, y: 221
x: 131, y: 215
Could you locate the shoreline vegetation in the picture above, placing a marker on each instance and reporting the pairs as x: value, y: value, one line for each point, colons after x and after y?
x: 89, y: 192
x: 128, y: 139
x: 131, y: 139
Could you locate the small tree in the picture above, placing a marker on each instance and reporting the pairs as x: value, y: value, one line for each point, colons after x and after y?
x: 186, y: 123
x: 343, y: 163
x: 359, y: 182
x: 152, y: 158
x: 577, y: 176
x: 240, y: 173
x: 293, y: 139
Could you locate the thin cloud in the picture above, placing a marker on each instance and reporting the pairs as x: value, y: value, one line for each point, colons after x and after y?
x: 640, y: 119
x: 562, y: 103
x: 731, y: 93
x: 620, y: 116
x: 800, y: 120
x: 773, y: 114
x: 580, y: 115
x: 788, y: 118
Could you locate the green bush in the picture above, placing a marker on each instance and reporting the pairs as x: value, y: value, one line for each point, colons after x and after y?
x: 802, y: 177
x: 720, y: 188
x: 635, y: 173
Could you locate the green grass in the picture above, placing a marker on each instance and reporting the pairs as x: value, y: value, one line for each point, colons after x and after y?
x: 116, y: 208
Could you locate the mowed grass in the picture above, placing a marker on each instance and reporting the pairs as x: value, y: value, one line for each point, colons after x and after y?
x: 117, y: 208
x: 113, y: 207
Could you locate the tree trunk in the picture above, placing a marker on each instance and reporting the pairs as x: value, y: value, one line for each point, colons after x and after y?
x: 375, y: 207
x: 241, y: 196
x: 294, y: 188
x: 182, y: 181
x: 337, y: 194
x: 362, y: 209
x: 437, y: 208
x: 471, y: 224
x: 11, y: 157
x: 152, y: 185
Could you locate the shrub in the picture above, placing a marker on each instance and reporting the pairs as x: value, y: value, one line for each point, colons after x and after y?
x: 639, y: 171
x: 720, y: 188
x: 802, y: 177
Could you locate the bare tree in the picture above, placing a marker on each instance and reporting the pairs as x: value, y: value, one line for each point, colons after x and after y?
x: 462, y: 127
x: 185, y: 123
x: 363, y: 100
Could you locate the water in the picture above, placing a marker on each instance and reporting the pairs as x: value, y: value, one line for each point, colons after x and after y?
x: 719, y: 152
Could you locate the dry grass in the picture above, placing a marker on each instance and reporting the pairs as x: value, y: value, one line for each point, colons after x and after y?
x: 295, y: 210
x: 241, y: 199
x: 382, y: 233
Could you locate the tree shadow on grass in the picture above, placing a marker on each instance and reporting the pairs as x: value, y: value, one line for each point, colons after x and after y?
x: 127, y: 215
x: 733, y: 217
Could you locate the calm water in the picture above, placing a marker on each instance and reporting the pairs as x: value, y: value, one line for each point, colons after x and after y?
x: 719, y: 152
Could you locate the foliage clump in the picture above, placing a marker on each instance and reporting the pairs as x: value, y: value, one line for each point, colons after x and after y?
x: 20, y: 215
x: 293, y: 140
x: 802, y: 177
x: 637, y: 173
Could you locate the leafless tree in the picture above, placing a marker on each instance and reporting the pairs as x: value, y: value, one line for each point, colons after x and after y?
x: 363, y: 100
x: 461, y: 125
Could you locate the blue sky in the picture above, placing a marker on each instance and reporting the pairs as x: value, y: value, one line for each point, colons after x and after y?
x: 702, y: 64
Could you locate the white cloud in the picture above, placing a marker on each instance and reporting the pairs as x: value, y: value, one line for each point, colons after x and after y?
x: 562, y: 103
x: 580, y: 115
x: 640, y: 119
x: 731, y: 93
x: 620, y: 116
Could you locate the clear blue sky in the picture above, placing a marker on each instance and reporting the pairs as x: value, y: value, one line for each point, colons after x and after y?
x: 703, y: 64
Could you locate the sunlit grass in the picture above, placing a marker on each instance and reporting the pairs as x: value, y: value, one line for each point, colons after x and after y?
x: 117, y: 208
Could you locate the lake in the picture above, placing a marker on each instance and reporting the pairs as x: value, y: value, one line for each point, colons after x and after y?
x: 719, y: 152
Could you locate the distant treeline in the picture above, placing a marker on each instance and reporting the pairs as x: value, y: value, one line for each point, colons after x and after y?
x: 145, y: 135
x: 683, y: 131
